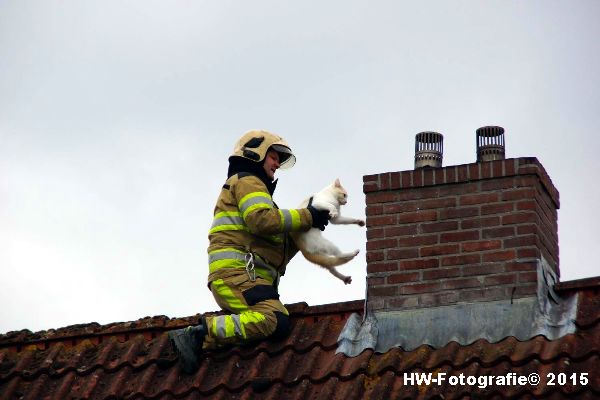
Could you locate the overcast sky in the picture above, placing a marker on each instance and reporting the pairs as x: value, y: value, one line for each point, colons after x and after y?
x: 117, y: 118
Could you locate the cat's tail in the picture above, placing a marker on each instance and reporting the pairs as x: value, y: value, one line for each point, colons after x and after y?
x: 329, y: 261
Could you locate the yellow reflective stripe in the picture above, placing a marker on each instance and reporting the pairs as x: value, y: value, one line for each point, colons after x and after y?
x: 229, y: 327
x: 296, y: 221
x: 289, y: 220
x: 228, y: 214
x: 255, y: 207
x: 254, y: 201
x: 228, y: 296
x: 222, y: 228
x: 251, y: 317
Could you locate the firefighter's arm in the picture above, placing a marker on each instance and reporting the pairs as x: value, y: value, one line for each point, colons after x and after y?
x: 259, y: 213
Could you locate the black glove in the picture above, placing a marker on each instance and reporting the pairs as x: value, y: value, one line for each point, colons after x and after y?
x: 320, y: 218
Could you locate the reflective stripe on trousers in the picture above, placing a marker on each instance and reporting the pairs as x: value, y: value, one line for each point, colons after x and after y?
x: 247, y: 321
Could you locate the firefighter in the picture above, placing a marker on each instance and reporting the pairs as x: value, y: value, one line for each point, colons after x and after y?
x: 248, y: 251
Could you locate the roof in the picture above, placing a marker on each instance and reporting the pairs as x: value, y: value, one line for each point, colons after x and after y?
x: 134, y: 361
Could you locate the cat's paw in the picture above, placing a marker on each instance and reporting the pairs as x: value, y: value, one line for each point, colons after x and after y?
x: 333, y: 214
x: 360, y: 222
x: 347, y: 280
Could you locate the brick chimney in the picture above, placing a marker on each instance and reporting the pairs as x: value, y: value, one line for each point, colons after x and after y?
x: 459, y: 234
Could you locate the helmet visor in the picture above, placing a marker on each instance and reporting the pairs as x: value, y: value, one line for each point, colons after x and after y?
x: 286, y: 158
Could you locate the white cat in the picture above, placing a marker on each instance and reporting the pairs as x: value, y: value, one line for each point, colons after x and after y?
x: 317, y: 249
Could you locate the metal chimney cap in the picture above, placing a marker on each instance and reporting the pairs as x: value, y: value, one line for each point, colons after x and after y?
x: 429, y: 149
x: 490, y: 143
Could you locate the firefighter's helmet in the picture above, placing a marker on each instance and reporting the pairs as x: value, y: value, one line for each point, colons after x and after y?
x: 255, y: 144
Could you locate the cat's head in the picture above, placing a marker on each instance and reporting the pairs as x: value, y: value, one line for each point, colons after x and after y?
x: 340, y: 193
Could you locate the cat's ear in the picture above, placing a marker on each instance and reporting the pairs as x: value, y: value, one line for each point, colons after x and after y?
x: 337, y: 183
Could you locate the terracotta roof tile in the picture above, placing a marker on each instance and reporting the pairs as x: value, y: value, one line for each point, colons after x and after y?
x: 134, y: 361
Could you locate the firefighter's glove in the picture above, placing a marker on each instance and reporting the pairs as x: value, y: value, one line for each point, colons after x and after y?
x: 320, y: 218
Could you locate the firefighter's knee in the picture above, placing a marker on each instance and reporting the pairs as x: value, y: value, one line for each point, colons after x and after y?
x: 282, y: 328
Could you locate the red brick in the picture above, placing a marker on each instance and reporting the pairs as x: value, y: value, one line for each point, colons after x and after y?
x: 528, y: 253
x: 441, y: 273
x: 395, y: 180
x: 497, y: 168
x: 499, y: 256
x: 427, y: 177
x: 401, y: 230
x: 460, y: 236
x: 383, y: 290
x: 525, y: 277
x: 437, y: 203
x: 439, y: 227
x: 381, y: 244
x: 520, y: 218
x: 404, y: 206
x: 370, y: 187
x: 371, y: 178
x: 419, y: 216
x: 406, y: 179
x: 419, y: 264
x: 375, y: 281
x: 497, y: 208
x: 518, y: 194
x: 438, y: 299
x: 486, y: 169
x: 526, y: 205
x: 481, y: 246
x: 482, y: 269
x: 375, y: 256
x: 420, y: 288
x: 373, y: 268
x: 509, y: 166
x: 498, y: 184
x: 483, y: 222
x: 418, y: 194
x: 525, y: 291
x: 418, y: 177
x: 521, y: 241
x: 452, y: 213
x: 375, y: 233
x: 439, y: 176
x: 450, y: 174
x: 453, y: 190
x: 493, y: 233
x: 439, y: 250
x: 480, y: 198
x: 403, y: 302
x: 505, y: 279
x: 381, y: 220
x: 374, y: 210
x: 487, y: 294
x: 461, y: 260
x: 474, y: 171
x: 521, y: 266
x: 381, y: 197
x: 403, y: 278
x: 402, y: 254
x: 462, y: 173
x: 385, y: 181
x: 414, y: 241
x: 461, y: 283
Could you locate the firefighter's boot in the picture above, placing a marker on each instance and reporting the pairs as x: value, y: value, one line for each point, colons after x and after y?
x: 187, y: 343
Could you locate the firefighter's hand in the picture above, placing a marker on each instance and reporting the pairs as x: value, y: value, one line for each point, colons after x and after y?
x: 320, y: 218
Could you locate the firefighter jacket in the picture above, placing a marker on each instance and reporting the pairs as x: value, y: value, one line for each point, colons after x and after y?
x: 248, y: 226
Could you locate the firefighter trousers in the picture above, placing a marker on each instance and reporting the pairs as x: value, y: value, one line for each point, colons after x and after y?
x: 253, y: 311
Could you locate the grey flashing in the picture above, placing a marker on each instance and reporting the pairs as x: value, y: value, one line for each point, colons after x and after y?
x: 547, y: 314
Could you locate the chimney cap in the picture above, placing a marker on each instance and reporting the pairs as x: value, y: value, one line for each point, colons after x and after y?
x: 490, y: 143
x: 429, y: 149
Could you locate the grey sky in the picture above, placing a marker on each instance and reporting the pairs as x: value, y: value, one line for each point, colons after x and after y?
x: 117, y: 117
